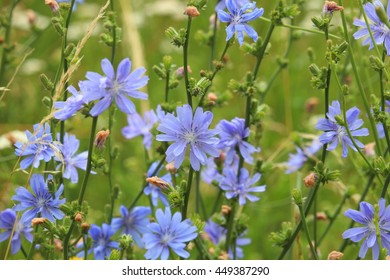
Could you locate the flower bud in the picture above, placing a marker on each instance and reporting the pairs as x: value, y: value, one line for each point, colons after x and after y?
x: 310, y: 180
x: 158, y: 182
x: 297, y: 196
x: 311, y: 104
x: 369, y: 149
x: 170, y: 167
x: 335, y: 255
x: 58, y: 245
x: 225, y: 209
x: 321, y: 216
x: 53, y: 5
x: 37, y: 221
x: 180, y: 71
x: 191, y: 11
x: 78, y: 217
x: 330, y: 7
x: 101, y: 138
x: 212, y: 97
x: 85, y: 227
x: 223, y: 256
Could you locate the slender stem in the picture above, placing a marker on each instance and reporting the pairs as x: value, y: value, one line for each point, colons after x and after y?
x: 213, y: 40
x: 383, y: 102
x: 216, y: 203
x: 303, y: 219
x: 185, y: 61
x: 66, y: 240
x: 359, y: 82
x: 202, y: 249
x: 230, y: 225
x: 167, y: 85
x: 187, y: 194
x: 262, y: 50
x: 385, y: 187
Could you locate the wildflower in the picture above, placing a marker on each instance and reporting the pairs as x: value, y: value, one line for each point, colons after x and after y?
x: 188, y: 130
x: 101, y: 241
x: 240, y: 187
x: 367, y: 216
x: 217, y: 235
x: 114, y: 86
x: 380, y: 30
x: 233, y: 135
x: 38, y: 147
x: 69, y: 107
x: 221, y: 5
x: 40, y: 201
x: 238, y: 17
x: 138, y: 126
x: 154, y: 191
x: 170, y: 232
x: 69, y: 160
x: 133, y: 222
x: 296, y: 161
x: 335, y: 131
x: 22, y: 228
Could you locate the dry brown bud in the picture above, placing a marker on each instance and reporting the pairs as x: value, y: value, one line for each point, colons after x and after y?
x: 78, y: 217
x: 58, y: 245
x: 223, y: 256
x: 180, y: 71
x: 311, y: 104
x: 170, y: 167
x: 38, y: 221
x: 53, y: 5
x: 101, y: 138
x: 334, y: 255
x: 321, y: 216
x: 331, y: 6
x: 226, y: 209
x: 212, y: 97
x: 190, y: 246
x: 158, y: 182
x: 85, y: 226
x: 211, y: 251
x: 191, y: 11
x: 310, y: 180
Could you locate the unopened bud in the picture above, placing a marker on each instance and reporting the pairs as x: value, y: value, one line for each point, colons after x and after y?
x: 58, y: 245
x: 85, y: 227
x: 190, y: 246
x: 223, y: 256
x: 330, y: 7
x: 158, y: 182
x: 32, y: 17
x: 310, y: 180
x: 335, y: 255
x: 212, y: 97
x: 37, y: 221
x: 226, y: 209
x: 78, y: 217
x: 211, y: 251
x: 53, y: 5
x: 170, y: 167
x: 180, y: 71
x: 191, y: 11
x: 321, y: 216
x: 101, y: 138
x: 311, y: 104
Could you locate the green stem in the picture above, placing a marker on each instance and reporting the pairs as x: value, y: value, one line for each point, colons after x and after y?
x: 383, y: 102
x: 185, y: 61
x: 202, y: 249
x: 230, y: 225
x: 359, y: 82
x: 385, y: 187
x: 213, y: 40
x: 187, y: 194
x: 167, y: 85
x: 303, y: 219
x: 262, y: 51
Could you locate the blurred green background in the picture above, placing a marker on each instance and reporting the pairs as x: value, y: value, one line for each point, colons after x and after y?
x: 143, y: 40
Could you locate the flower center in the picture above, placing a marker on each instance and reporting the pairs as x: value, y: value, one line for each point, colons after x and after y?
x: 115, y: 88
x: 166, y: 237
x: 190, y: 137
x: 41, y: 202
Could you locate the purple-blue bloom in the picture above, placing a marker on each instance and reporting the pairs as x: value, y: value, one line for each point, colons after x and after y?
x: 22, y: 228
x: 39, y: 201
x: 114, y: 86
x: 134, y: 222
x: 69, y: 160
x: 140, y: 126
x: 221, y: 5
x: 69, y: 107
x: 168, y: 233
x: 334, y: 132
x: 240, y: 187
x: 296, y: 161
x: 189, y: 130
x: 238, y: 17
x: 154, y: 191
x: 101, y: 241
x: 367, y: 216
x: 233, y: 135
x: 380, y: 30
x: 211, y: 171
x: 39, y: 146
x: 217, y: 235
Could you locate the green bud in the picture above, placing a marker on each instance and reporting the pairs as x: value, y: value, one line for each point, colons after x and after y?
x: 59, y: 28
x: 100, y: 162
x: 167, y: 62
x: 47, y: 101
x: 126, y: 241
x: 107, y: 39
x: 174, y: 84
x: 177, y: 38
x: 67, y: 209
x: 47, y: 83
x: 282, y: 237
x: 297, y: 197
x: 115, y: 255
x: 314, y: 69
x: 198, y: 222
x: 339, y: 120
x: 159, y: 71
x: 311, y: 54
x: 115, y: 152
x: 376, y: 63
x: 115, y: 192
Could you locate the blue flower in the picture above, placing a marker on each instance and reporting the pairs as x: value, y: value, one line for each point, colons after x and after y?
x: 240, y: 187
x: 40, y: 201
x: 69, y: 107
x: 22, y: 228
x: 233, y: 135
x: 39, y: 146
x: 217, y: 235
x: 170, y: 232
x: 334, y: 132
x: 138, y: 126
x: 296, y: 161
x: 211, y: 172
x: 134, y: 222
x: 114, y: 86
x: 155, y: 192
x: 379, y: 29
x: 238, y: 17
x: 188, y: 130
x: 221, y: 5
x: 69, y: 159
x: 367, y: 217
x: 101, y: 241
